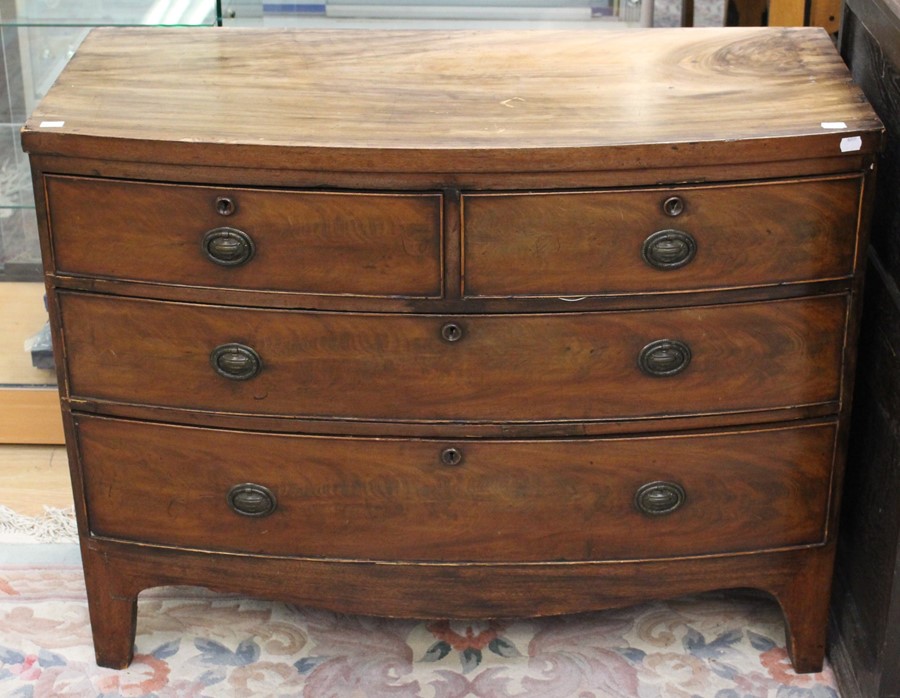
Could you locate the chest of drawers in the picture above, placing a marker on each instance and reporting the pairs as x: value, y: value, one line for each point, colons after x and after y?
x: 455, y: 324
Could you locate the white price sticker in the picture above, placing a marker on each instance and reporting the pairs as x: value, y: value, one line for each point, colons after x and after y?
x: 851, y: 144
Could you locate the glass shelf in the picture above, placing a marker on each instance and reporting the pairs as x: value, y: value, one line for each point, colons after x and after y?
x: 94, y: 13
x: 37, y: 39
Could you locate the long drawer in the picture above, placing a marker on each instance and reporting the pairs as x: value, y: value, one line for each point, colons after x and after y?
x: 369, y: 244
x: 660, y: 240
x: 503, y: 368
x: 396, y: 499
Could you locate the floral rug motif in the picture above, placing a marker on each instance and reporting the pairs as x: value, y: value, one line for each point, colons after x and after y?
x: 194, y: 643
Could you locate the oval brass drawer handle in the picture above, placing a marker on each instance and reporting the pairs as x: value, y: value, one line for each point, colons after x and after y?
x: 249, y: 499
x: 669, y: 249
x: 658, y: 498
x: 228, y: 247
x: 664, y: 357
x: 235, y: 361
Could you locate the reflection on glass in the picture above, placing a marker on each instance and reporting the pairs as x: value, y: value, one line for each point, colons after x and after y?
x: 37, y: 38
x: 442, y: 14
x: 94, y: 13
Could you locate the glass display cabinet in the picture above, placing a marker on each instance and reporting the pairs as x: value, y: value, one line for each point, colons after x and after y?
x: 37, y: 38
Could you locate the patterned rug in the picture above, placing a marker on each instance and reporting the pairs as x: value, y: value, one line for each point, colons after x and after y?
x: 194, y: 643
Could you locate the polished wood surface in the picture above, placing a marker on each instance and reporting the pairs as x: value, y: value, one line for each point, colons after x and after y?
x: 35, y: 477
x: 744, y: 357
x: 368, y: 375
x: 393, y: 499
x: 452, y: 101
x: 29, y: 416
x: 787, y: 13
x: 590, y: 243
x: 825, y: 14
x: 116, y: 572
x: 333, y: 243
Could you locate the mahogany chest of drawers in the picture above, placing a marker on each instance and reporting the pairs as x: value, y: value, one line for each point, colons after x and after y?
x: 455, y: 324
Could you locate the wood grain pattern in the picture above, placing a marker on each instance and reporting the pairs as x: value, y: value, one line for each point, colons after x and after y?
x: 449, y: 430
x: 786, y: 13
x: 507, y: 501
x: 288, y: 300
x: 590, y: 243
x: 22, y: 314
x: 116, y: 572
x: 30, y: 416
x: 452, y: 101
x: 572, y: 177
x: 825, y: 14
x: 516, y: 368
x: 35, y: 477
x: 312, y: 242
x: 459, y: 115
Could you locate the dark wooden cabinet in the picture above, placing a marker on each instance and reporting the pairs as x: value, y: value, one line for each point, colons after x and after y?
x: 446, y: 324
x: 866, y: 604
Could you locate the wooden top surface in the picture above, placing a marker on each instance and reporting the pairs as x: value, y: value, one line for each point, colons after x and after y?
x: 427, y: 101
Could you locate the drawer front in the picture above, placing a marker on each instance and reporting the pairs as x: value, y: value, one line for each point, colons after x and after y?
x: 493, y: 368
x: 616, y: 242
x: 395, y: 499
x: 312, y: 242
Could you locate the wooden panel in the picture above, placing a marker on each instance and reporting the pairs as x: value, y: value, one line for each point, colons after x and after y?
x: 505, y: 368
x: 501, y: 101
x: 866, y: 605
x: 749, y: 13
x: 879, y: 75
x: 30, y: 416
x: 589, y: 243
x: 348, y: 244
x: 22, y: 314
x: 787, y: 13
x: 34, y: 477
x: 825, y: 14
x: 506, y: 501
x: 869, y: 549
x: 116, y: 572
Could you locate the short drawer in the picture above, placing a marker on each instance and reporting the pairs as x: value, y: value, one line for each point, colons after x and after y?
x: 367, y: 244
x: 659, y: 240
x: 394, y: 499
x: 488, y: 368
